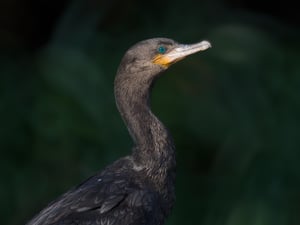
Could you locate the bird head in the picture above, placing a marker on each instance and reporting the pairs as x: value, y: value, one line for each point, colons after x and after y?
x: 155, y: 55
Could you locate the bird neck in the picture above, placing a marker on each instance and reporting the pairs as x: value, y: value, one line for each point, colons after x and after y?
x: 154, y: 148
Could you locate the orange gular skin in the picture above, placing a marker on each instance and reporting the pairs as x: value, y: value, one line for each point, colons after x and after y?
x: 164, y: 60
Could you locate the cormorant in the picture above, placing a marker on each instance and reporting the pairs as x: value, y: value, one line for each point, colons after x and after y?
x: 137, y: 189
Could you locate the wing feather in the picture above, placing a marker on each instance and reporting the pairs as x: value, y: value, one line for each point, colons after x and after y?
x: 104, y: 200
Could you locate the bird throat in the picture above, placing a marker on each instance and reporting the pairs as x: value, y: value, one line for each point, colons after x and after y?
x: 153, y: 145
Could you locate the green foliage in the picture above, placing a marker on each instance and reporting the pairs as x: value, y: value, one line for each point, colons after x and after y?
x: 233, y: 111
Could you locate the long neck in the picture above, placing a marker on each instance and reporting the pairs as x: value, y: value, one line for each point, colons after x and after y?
x: 154, y: 148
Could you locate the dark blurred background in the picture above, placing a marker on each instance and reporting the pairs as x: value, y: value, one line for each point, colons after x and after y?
x: 233, y: 110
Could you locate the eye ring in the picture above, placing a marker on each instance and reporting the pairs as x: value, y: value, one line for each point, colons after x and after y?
x: 161, y: 49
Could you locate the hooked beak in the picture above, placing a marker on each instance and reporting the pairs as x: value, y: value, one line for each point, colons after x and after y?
x: 180, y: 52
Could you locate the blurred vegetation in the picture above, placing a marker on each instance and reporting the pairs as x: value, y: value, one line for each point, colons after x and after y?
x: 233, y: 110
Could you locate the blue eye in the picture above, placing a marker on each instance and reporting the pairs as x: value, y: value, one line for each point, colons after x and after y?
x: 161, y: 49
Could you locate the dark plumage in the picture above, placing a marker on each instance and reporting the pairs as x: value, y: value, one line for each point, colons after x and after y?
x: 137, y: 189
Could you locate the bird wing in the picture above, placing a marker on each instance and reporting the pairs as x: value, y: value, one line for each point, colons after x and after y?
x: 106, y: 199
